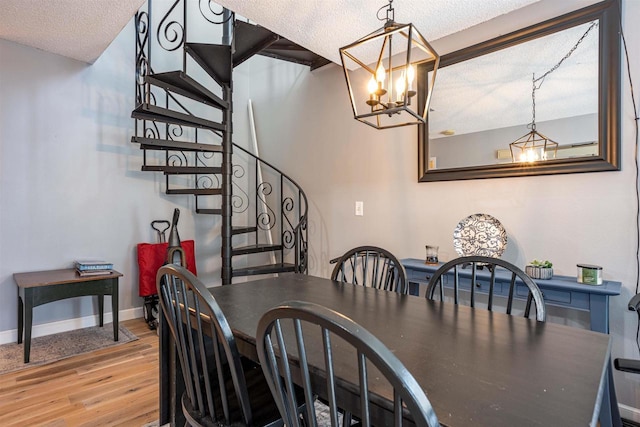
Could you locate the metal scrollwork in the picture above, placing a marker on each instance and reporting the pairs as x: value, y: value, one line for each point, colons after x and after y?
x: 151, y: 130
x: 174, y: 131
x: 170, y: 32
x: 175, y: 159
x: 266, y: 219
x: 208, y: 12
x: 288, y: 239
x: 288, y: 204
x: 239, y: 202
x: 205, y: 181
x: 142, y: 65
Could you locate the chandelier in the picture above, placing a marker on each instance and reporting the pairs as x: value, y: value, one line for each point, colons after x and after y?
x: 380, y: 69
x: 533, y: 146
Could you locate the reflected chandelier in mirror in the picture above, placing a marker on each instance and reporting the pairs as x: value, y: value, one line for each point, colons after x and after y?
x: 482, y: 102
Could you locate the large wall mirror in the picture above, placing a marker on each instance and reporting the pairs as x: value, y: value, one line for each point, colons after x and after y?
x: 563, y: 75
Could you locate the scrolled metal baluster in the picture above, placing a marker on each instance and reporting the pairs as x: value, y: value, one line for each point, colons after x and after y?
x: 174, y: 131
x: 239, y: 202
x: 265, y: 220
x: 208, y: 10
x: 151, y: 130
x: 175, y: 159
x: 170, y: 34
x: 204, y: 181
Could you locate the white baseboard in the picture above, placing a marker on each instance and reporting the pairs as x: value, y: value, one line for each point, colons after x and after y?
x: 43, y: 329
x: 629, y: 413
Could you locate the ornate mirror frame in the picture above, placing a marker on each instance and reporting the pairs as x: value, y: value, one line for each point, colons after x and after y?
x: 609, y: 83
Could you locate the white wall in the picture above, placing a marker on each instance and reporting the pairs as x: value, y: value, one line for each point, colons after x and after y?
x: 306, y: 128
x: 70, y: 179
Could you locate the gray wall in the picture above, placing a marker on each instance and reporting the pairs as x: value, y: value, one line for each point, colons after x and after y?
x: 305, y: 126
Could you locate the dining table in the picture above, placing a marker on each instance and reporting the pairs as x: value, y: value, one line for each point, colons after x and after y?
x: 477, y: 367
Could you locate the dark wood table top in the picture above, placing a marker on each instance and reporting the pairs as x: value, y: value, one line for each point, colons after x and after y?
x: 476, y: 367
x: 35, y: 279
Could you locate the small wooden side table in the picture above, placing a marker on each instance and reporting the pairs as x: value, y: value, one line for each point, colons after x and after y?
x: 40, y: 287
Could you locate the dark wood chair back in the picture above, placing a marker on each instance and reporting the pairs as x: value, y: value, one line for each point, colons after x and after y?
x: 215, y: 376
x: 469, y: 267
x: 371, y: 266
x: 286, y: 330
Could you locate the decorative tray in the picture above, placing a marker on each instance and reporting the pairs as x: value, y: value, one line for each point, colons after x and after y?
x: 480, y: 234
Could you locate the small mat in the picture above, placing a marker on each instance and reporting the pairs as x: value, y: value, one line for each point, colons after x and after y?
x: 54, y: 347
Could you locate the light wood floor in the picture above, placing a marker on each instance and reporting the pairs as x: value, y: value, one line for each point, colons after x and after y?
x: 109, y: 387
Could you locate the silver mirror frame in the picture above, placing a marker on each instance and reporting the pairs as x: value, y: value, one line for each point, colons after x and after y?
x: 609, y: 95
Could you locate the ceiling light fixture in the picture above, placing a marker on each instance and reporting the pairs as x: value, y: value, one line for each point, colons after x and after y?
x: 372, y: 63
x: 533, y: 146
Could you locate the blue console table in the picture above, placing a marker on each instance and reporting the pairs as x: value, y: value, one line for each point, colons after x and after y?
x: 559, y: 291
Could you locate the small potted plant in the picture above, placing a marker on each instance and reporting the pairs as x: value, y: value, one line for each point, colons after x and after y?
x: 539, y: 269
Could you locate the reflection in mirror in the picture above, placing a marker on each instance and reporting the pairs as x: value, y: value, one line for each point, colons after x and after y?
x: 482, y: 105
x: 559, y: 78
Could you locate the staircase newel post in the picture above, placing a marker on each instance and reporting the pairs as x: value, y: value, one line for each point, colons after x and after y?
x: 227, y: 167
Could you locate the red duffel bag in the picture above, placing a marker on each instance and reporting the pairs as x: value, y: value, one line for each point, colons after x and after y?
x: 151, y: 256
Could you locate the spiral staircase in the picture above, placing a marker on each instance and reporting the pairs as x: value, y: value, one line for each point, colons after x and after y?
x: 184, y: 127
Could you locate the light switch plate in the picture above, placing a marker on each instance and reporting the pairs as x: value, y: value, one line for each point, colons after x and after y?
x: 359, y: 208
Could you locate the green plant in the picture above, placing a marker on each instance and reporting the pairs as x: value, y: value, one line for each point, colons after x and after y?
x: 543, y: 264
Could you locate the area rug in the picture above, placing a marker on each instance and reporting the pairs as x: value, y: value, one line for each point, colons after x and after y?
x: 51, y: 348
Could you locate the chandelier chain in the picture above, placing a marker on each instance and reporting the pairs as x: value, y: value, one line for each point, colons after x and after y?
x: 390, y: 12
x: 540, y: 79
x: 555, y: 67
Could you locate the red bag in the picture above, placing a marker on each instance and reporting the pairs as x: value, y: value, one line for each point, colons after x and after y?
x: 151, y: 256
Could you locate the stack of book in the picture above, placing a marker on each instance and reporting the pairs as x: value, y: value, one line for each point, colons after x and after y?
x: 93, y: 267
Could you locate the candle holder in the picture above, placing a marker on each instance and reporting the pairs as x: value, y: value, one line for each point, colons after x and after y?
x: 432, y: 255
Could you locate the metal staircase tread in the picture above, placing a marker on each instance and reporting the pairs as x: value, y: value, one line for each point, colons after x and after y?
x: 254, y: 249
x: 168, y: 144
x: 215, y: 59
x: 192, y: 170
x: 182, y: 170
x: 264, y: 269
x: 286, y: 50
x: 165, y: 115
x: 249, y: 39
x: 204, y: 211
x: 180, y: 83
x: 243, y: 229
x: 196, y: 191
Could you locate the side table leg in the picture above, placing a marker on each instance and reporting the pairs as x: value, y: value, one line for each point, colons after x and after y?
x: 114, y: 308
x: 20, y: 319
x: 28, y: 323
x: 101, y: 309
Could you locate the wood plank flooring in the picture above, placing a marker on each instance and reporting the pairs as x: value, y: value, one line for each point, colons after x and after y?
x: 117, y: 386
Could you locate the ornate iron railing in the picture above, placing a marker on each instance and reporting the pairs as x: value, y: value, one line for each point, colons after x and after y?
x: 270, y: 200
x: 280, y: 204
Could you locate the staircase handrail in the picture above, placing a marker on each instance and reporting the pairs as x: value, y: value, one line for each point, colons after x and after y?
x: 304, y: 196
x: 302, y: 220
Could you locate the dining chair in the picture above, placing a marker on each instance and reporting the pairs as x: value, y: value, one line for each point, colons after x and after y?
x: 371, y: 266
x: 630, y: 365
x: 221, y: 387
x: 308, y: 335
x: 472, y: 264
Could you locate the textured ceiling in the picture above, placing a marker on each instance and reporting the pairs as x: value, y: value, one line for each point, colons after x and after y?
x: 82, y: 29
x: 78, y: 29
x: 325, y: 26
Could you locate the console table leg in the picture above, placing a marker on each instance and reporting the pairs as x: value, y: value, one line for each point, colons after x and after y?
x: 20, y: 319
x: 599, y: 313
